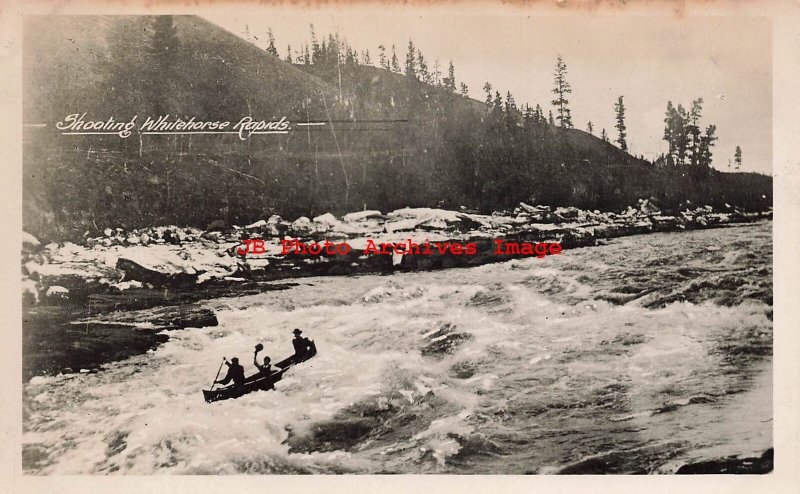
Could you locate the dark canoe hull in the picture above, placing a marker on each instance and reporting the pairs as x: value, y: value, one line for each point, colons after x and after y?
x: 260, y: 384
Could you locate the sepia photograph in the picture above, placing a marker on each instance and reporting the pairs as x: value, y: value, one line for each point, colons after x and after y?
x: 293, y: 240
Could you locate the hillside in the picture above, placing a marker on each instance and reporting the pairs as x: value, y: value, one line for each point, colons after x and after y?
x: 390, y: 141
x: 104, y: 64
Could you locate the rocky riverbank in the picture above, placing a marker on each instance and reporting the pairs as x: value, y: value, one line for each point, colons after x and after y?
x: 115, y: 295
x: 176, y: 258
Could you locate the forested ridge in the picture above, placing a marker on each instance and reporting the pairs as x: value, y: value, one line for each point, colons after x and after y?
x: 397, y: 134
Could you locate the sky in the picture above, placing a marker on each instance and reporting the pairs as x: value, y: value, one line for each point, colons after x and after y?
x: 647, y: 59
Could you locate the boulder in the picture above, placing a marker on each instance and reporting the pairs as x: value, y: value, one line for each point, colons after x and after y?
x: 732, y: 465
x: 423, y: 214
x: 302, y: 225
x: 534, y: 210
x: 569, y: 213
x: 170, y: 317
x: 361, y: 215
x: 134, y: 271
x: 258, y: 224
x: 216, y: 226
x: 405, y: 225
x: 57, y: 292
x: 664, y: 223
x: 326, y: 219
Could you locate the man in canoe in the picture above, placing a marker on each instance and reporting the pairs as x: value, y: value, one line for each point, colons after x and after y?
x: 263, y: 370
x: 303, y: 347
x: 235, y: 373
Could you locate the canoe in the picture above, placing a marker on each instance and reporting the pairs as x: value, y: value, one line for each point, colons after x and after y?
x: 257, y: 382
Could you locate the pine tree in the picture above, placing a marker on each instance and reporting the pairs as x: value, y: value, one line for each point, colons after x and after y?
x: 488, y: 89
x: 395, y: 62
x: 511, y: 105
x: 619, y: 108
x: 604, y: 136
x: 497, y: 105
x: 323, y: 53
x: 673, y: 132
x: 333, y: 55
x: 424, y: 75
x: 382, y: 57
x: 350, y: 55
x: 561, y: 89
x: 464, y: 90
x: 450, y: 80
x: 316, y: 50
x: 692, y: 130
x: 737, y: 157
x: 271, y: 48
x: 289, y: 53
x: 590, y: 127
x: 550, y: 119
x: 512, y: 112
x: 366, y: 59
x: 682, y: 119
x: 411, y: 61
x: 529, y: 114
x: 437, y: 73
x: 706, y: 143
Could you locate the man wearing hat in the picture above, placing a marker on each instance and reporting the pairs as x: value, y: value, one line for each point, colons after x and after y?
x: 302, y: 346
x: 263, y: 370
x: 235, y: 373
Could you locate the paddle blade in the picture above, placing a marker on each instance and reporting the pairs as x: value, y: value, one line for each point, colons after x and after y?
x: 259, y: 347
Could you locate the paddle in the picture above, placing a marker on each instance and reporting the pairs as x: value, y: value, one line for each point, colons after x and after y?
x: 218, y: 371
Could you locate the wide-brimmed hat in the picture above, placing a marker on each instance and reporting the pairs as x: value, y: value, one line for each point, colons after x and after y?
x: 296, y: 331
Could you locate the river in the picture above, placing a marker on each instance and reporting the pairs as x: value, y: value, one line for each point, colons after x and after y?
x: 632, y: 357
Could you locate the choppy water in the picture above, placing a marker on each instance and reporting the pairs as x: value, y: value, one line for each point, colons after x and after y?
x: 636, y: 356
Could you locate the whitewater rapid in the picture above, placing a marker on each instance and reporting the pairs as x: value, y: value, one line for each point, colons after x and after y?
x: 636, y: 356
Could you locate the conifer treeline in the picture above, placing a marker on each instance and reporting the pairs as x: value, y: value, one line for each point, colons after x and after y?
x: 334, y: 51
x: 687, y: 144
